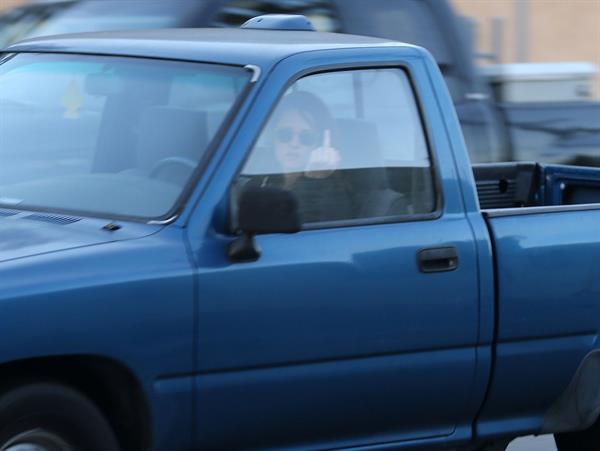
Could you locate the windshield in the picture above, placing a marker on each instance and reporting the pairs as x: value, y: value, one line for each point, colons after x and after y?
x: 107, y: 15
x: 107, y: 136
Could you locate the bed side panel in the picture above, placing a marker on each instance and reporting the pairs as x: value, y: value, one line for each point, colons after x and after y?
x: 548, y: 270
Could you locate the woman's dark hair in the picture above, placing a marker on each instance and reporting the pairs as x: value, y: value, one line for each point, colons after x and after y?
x: 309, y: 106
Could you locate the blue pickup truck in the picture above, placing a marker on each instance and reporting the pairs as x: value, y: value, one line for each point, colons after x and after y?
x: 273, y: 238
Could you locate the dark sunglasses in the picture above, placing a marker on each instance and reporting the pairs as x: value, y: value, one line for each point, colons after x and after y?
x: 306, y: 137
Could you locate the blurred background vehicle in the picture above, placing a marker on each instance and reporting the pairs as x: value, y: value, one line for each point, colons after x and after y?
x: 17, y: 22
x: 495, y: 130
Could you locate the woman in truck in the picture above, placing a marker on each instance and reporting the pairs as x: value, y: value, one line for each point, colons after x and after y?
x: 298, y: 135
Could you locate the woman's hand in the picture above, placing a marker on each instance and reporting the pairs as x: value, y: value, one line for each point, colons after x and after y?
x: 323, y: 160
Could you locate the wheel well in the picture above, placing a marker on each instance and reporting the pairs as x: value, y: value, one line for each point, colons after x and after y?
x: 111, y: 386
x: 578, y: 406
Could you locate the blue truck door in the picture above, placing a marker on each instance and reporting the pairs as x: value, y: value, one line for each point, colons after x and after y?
x: 362, y: 328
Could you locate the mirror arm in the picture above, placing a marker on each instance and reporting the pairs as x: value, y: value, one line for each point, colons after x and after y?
x: 243, y: 249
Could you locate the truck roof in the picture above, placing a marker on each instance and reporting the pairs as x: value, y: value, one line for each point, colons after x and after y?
x: 226, y: 46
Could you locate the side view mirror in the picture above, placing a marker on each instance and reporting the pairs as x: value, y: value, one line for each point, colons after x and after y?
x: 260, y: 211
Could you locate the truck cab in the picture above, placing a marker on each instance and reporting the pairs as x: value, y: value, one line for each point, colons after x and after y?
x: 271, y: 238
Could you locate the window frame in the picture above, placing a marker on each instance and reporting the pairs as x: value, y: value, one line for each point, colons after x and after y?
x: 434, y: 164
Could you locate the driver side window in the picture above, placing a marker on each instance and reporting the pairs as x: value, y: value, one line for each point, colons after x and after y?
x: 351, y: 147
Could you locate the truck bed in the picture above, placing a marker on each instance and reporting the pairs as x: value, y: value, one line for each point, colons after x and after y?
x: 542, y: 221
x: 520, y: 185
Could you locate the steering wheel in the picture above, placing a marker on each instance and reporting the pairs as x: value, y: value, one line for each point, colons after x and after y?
x: 161, y: 164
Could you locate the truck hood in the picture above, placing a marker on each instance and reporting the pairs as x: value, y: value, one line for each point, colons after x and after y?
x: 24, y: 235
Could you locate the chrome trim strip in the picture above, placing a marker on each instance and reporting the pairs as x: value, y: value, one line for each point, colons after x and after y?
x: 163, y: 221
x: 255, y: 72
x: 519, y: 211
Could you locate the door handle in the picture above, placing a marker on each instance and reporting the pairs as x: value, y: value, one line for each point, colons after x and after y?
x: 438, y: 259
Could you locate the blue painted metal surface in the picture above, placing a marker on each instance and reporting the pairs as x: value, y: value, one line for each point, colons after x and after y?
x: 130, y: 299
x: 563, y: 258
x: 237, y: 47
x: 548, y: 313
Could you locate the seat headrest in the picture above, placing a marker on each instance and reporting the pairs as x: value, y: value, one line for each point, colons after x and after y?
x: 358, y: 142
x: 360, y: 151
x: 171, y: 132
